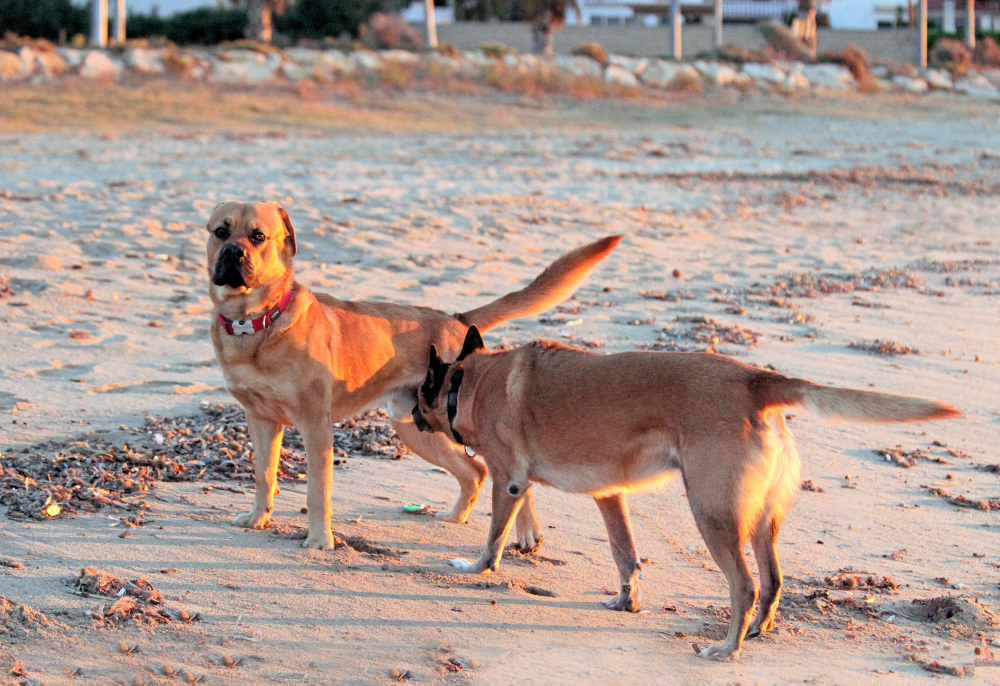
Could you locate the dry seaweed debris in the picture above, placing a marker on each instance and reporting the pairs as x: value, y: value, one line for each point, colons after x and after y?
x: 81, y: 476
x: 984, y: 504
x: 811, y: 285
x: 706, y: 334
x: 135, y: 600
x: 906, y: 458
x: 852, y: 579
x: 883, y: 347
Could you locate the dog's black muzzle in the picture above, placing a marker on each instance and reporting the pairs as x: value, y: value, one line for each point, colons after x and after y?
x: 229, y: 267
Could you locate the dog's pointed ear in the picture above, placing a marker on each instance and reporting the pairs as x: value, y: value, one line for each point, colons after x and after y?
x: 436, y: 371
x: 290, y: 230
x: 435, y: 359
x: 473, y: 342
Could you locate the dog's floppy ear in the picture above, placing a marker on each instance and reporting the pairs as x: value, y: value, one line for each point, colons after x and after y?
x: 287, y: 221
x: 473, y: 342
x: 436, y: 371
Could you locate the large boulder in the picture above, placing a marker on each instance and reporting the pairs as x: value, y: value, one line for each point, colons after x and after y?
x: 401, y: 56
x: 832, y: 76
x: 715, y: 73
x: 767, y: 73
x: 304, y: 56
x: 636, y: 65
x: 795, y: 80
x: 365, y: 59
x: 12, y: 67
x: 938, y: 79
x: 332, y: 64
x: 239, y: 71
x: 977, y: 86
x: 72, y: 56
x: 914, y: 85
x: 293, y: 71
x: 615, y: 73
x: 98, y: 65
x: 145, y: 61
x: 51, y: 63
x: 663, y: 74
x: 579, y: 66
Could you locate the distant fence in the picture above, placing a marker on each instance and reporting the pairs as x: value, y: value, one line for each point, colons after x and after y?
x: 899, y: 45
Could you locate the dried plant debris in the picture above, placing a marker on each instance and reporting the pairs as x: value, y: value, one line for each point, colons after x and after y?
x: 808, y: 485
x: 17, y: 620
x: 702, y: 334
x: 883, y: 347
x: 812, y: 285
x: 669, y: 296
x: 906, y: 458
x: 852, y: 579
x: 938, y: 668
x: 127, y: 601
x: 984, y: 504
x: 953, y: 266
x: 82, y: 476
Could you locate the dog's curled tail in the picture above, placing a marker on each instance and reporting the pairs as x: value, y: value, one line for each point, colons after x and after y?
x: 775, y: 390
x: 549, y: 288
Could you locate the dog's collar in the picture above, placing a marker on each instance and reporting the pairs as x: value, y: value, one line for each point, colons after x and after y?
x: 248, y: 326
x: 456, y: 384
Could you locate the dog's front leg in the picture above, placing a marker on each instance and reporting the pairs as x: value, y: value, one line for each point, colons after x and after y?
x: 507, y: 498
x: 317, y: 435
x: 265, y: 436
x: 614, y: 510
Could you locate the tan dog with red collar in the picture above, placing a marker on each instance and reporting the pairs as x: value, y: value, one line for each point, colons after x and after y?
x: 296, y: 358
x: 606, y: 425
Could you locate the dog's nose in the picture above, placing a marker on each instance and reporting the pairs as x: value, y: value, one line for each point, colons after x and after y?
x: 234, y: 252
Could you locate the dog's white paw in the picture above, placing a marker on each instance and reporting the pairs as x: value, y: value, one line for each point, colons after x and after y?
x: 252, y: 520
x: 463, y: 565
x: 720, y: 652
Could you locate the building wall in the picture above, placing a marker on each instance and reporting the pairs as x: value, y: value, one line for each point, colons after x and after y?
x: 641, y: 41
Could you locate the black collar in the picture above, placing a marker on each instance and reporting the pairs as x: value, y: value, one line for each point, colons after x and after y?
x: 456, y: 383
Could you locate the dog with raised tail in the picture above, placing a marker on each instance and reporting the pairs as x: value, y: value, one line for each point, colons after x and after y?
x: 607, y: 425
x: 293, y: 357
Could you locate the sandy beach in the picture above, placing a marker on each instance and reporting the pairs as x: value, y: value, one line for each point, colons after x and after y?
x: 850, y: 241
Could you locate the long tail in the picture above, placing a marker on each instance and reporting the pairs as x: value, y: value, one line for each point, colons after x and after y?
x: 775, y: 390
x: 549, y: 288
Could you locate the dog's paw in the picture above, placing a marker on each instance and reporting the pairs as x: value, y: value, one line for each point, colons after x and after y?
x: 622, y: 603
x: 320, y: 541
x: 529, y: 541
x: 452, y: 516
x: 463, y: 565
x: 719, y: 652
x: 252, y: 520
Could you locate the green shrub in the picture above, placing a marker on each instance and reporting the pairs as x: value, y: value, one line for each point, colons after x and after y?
x: 205, y: 26
x: 42, y: 18
x: 322, y: 18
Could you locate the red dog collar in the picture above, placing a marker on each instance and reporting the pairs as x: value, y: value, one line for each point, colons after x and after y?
x: 237, y: 328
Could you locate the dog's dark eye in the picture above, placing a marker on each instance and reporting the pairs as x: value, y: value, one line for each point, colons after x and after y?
x: 258, y: 237
x: 222, y: 233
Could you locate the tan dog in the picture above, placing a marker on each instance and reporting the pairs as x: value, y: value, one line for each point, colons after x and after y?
x: 296, y: 358
x: 606, y: 425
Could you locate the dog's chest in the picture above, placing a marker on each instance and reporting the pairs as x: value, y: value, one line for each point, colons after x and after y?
x: 256, y: 392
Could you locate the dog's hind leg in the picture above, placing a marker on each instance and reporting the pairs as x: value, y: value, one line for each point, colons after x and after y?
x: 265, y: 436
x: 614, y: 510
x: 765, y: 549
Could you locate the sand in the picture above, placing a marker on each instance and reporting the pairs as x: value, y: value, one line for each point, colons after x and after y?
x: 102, y: 233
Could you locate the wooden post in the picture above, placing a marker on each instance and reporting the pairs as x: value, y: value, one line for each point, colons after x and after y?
x: 922, y: 35
x: 98, y: 23
x: 970, y: 24
x: 718, y: 25
x: 432, y: 32
x: 676, y: 24
x: 120, y: 22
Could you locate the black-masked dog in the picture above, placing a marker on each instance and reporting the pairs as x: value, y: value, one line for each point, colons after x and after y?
x: 606, y: 425
x: 296, y: 358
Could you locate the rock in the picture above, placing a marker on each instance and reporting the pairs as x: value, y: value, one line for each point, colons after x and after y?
x: 916, y: 86
x: 305, y: 56
x: 633, y: 64
x: 97, y: 65
x: 11, y: 67
x: 938, y: 79
x: 73, y: 56
x: 764, y: 72
x: 364, y: 59
x: 479, y: 58
x: 977, y: 86
x: 716, y: 73
x: 615, y: 73
x: 251, y: 56
x: 145, y: 61
x: 248, y: 71
x: 795, y: 80
x: 293, y: 71
x: 834, y: 76
x: 663, y: 74
x: 401, y: 56
x: 579, y: 66
x: 51, y: 63
x: 331, y: 64
x: 880, y: 71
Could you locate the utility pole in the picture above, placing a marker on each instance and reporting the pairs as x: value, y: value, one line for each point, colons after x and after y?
x: 120, y: 22
x: 99, y: 23
x: 432, y: 32
x: 922, y: 35
x: 676, y: 24
x: 718, y: 25
x: 970, y: 24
